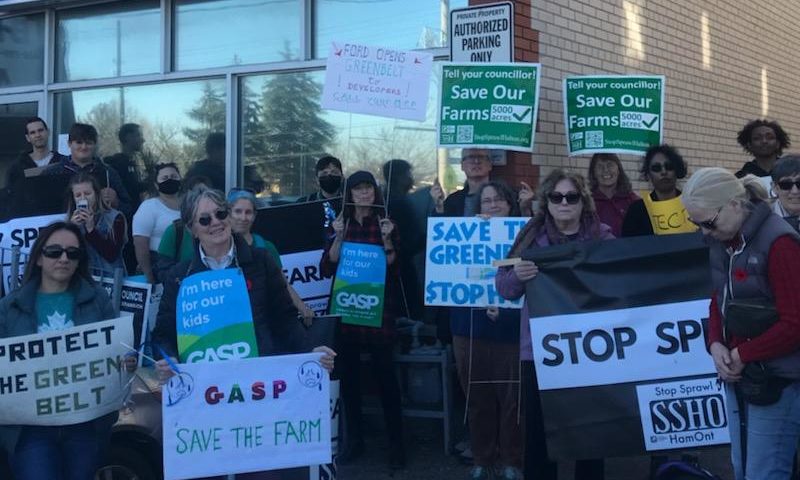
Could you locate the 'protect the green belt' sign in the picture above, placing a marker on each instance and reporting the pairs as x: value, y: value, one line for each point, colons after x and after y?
x: 489, y: 105
x: 613, y: 113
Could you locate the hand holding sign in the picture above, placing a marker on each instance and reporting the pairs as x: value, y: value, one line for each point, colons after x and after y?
x: 525, y: 270
x: 338, y: 225
x: 437, y: 194
x: 386, y: 228
x: 327, y: 359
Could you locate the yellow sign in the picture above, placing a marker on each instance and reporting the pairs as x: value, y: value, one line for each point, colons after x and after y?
x: 667, y: 216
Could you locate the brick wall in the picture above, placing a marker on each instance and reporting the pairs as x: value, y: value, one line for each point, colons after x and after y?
x: 715, y: 55
x: 526, y: 49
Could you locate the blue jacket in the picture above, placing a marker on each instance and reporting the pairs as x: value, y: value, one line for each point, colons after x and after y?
x: 18, y: 317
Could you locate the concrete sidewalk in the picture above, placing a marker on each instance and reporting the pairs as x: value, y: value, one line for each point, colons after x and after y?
x: 426, y: 459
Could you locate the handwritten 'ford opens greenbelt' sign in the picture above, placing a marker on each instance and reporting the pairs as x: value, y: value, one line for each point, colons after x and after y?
x: 489, y: 105
x: 614, y: 114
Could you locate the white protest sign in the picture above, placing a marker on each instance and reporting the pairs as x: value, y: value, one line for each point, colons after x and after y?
x: 459, y: 256
x: 21, y: 232
x: 302, y: 273
x: 483, y: 33
x: 377, y: 81
x: 246, y: 415
x: 64, y: 377
x: 683, y: 414
x: 618, y: 346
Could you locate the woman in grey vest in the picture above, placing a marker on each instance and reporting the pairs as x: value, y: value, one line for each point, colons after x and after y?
x: 755, y: 268
x: 105, y: 229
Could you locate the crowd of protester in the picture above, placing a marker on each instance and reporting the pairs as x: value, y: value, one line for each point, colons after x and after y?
x: 151, y: 220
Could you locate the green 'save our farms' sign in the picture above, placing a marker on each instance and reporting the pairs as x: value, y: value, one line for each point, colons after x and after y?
x: 613, y: 113
x: 489, y: 105
x: 359, y: 285
x: 213, y: 317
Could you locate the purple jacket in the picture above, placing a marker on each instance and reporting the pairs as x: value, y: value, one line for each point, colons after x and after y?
x: 511, y: 288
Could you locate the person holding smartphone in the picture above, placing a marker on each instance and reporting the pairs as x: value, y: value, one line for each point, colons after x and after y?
x: 105, y: 228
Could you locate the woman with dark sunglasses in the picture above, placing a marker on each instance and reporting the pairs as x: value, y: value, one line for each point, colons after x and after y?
x: 566, y: 214
x: 205, y: 212
x: 659, y: 211
x: 57, y: 292
x: 755, y: 260
x: 786, y: 186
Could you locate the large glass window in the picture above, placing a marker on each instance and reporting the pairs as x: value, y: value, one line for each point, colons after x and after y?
x: 123, y: 38
x: 390, y: 23
x: 21, y: 50
x: 176, y: 117
x: 284, y: 131
x: 231, y: 32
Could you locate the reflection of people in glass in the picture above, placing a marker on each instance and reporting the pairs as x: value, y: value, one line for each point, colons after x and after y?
x: 213, y: 167
x: 362, y: 221
x: 154, y: 216
x: 786, y: 185
x: 765, y: 141
x: 329, y: 179
x: 131, y: 142
x: 105, y: 228
x: 57, y: 292
x: 486, y: 349
x: 37, y: 135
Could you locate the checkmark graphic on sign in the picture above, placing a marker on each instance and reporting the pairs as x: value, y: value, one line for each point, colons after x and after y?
x: 522, y: 115
x: 651, y: 122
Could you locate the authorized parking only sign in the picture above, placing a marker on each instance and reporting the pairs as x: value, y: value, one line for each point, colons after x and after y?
x: 482, y: 34
x: 613, y: 114
x: 489, y: 105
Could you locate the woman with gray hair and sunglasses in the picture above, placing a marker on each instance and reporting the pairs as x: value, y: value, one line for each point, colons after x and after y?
x: 275, y: 318
x: 754, y: 318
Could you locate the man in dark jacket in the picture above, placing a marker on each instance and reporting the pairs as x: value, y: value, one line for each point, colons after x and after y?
x: 212, y: 169
x: 476, y: 163
x: 82, y: 144
x: 37, y: 135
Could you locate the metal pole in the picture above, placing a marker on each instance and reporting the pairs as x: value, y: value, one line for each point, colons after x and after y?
x: 13, y: 281
x: 116, y: 300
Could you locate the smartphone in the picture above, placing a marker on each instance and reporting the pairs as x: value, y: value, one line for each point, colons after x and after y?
x: 82, y: 203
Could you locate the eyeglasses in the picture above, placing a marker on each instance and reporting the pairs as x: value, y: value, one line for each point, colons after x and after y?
x: 475, y: 158
x: 708, y: 224
x: 787, y: 184
x: 205, y: 219
x: 656, y: 167
x: 558, y: 197
x: 55, y: 251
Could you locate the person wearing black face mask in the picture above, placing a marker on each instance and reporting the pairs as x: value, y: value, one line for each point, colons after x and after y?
x: 154, y: 216
x: 329, y: 179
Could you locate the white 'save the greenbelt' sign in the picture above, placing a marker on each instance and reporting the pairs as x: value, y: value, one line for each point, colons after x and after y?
x: 613, y: 113
x: 489, y: 105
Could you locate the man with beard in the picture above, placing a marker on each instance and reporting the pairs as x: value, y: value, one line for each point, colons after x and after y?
x: 765, y: 141
x: 37, y: 134
x: 659, y: 212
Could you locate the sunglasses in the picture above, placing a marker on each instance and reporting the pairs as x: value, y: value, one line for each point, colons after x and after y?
x: 656, y: 167
x: 205, y: 219
x: 787, y: 184
x: 708, y: 224
x: 55, y: 251
x: 558, y: 197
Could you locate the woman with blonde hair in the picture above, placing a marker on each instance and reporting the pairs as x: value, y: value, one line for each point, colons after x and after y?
x: 754, y: 322
x: 566, y: 214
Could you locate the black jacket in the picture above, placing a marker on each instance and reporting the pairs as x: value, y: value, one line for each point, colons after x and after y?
x: 752, y: 168
x: 16, y: 172
x: 278, y: 330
